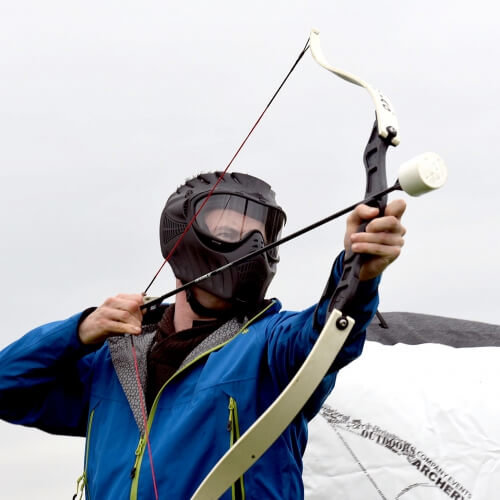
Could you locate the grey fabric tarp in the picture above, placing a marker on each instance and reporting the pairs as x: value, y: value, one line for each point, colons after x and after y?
x: 413, y: 329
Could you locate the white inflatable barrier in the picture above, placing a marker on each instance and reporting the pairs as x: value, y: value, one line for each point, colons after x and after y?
x: 412, y: 422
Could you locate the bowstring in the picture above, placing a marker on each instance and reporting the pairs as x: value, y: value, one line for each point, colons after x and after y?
x: 219, y: 180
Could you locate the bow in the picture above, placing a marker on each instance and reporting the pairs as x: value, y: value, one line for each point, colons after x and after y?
x: 415, y: 177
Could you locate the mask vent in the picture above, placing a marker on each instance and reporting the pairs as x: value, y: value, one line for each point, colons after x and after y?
x: 171, y: 230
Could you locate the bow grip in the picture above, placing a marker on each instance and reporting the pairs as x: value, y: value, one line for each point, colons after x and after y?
x: 344, y: 296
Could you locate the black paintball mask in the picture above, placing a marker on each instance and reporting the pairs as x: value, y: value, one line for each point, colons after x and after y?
x: 241, y: 216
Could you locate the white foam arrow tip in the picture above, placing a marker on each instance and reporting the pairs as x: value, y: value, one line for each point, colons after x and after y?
x: 423, y: 173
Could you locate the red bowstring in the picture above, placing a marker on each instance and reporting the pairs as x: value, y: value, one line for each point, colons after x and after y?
x: 191, y: 222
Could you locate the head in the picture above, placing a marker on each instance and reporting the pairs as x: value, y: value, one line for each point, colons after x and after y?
x: 241, y: 216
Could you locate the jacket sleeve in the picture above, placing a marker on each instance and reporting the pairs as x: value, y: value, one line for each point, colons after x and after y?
x: 293, y: 335
x: 44, y: 377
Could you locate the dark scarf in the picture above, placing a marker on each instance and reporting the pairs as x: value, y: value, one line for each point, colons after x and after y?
x: 170, y: 348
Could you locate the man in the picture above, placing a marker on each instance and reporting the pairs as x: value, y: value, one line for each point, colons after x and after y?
x: 162, y: 397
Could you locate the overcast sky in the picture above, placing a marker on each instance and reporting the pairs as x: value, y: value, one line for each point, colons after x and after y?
x: 107, y: 106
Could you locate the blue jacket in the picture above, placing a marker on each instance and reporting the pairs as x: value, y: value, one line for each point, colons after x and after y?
x: 51, y: 381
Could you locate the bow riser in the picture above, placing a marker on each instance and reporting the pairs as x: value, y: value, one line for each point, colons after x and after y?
x: 376, y: 181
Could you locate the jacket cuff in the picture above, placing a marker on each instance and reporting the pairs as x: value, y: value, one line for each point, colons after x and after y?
x: 366, y: 297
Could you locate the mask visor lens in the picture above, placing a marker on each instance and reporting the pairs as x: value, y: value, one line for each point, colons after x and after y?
x: 230, y: 218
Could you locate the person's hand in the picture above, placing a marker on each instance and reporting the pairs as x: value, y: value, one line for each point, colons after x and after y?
x: 116, y: 316
x: 382, y: 240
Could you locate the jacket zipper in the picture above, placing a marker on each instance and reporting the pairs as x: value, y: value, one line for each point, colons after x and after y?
x: 82, y: 481
x: 233, y: 427
x: 138, y: 454
x: 135, y: 473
